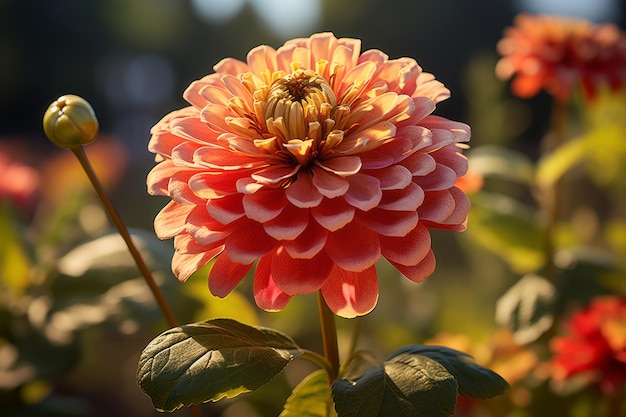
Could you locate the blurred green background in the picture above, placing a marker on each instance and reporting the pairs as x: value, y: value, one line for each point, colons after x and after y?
x: 132, y: 59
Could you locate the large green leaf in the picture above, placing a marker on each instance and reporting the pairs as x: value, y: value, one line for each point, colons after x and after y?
x: 474, y: 380
x: 210, y: 360
x: 527, y: 308
x: 311, y: 398
x: 406, y: 385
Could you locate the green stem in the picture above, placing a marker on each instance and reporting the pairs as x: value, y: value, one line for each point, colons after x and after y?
x: 80, y: 154
x: 329, y: 337
x: 551, y: 196
x: 317, y: 359
x: 356, y: 331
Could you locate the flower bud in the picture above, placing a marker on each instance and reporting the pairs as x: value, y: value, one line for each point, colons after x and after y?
x: 70, y: 122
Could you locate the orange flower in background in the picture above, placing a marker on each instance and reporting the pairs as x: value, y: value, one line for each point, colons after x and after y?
x: 595, y: 346
x: 315, y: 160
x: 558, y: 54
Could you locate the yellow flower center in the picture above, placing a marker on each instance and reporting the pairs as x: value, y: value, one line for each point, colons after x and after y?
x: 298, y: 102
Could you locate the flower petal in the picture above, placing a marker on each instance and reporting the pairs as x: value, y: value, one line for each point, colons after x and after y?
x: 266, y: 294
x: 190, y: 256
x: 407, y: 199
x: 388, y: 223
x: 353, y: 247
x: 300, y: 276
x: 302, y: 193
x: 420, y: 271
x: 308, y: 243
x: 226, y: 209
x: 333, y: 214
x: 408, y: 250
x: 437, y: 207
x: 329, y: 184
x: 364, y: 192
x: 394, y: 177
x: 225, y: 275
x: 441, y: 178
x: 289, y: 225
x: 171, y: 220
x: 248, y: 243
x: 264, y: 205
x: 350, y: 294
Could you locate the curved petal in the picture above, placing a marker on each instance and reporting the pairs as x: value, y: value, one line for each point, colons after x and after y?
x: 264, y: 205
x: 408, y: 250
x: 420, y: 271
x: 407, y: 199
x: 300, y: 276
x: 394, y: 177
x: 226, y: 209
x: 248, y: 243
x: 350, y: 294
x: 333, y: 214
x: 441, y: 178
x: 184, y: 263
x: 364, y: 192
x: 289, y: 225
x: 353, y: 247
x: 388, y: 223
x: 329, y: 184
x: 457, y: 220
x: 171, y: 220
x: 225, y: 275
x: 308, y: 243
x: 302, y: 193
x: 437, y: 206
x: 266, y: 294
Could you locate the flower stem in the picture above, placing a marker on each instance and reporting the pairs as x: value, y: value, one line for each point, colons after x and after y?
x: 80, y: 154
x: 329, y: 337
x: 317, y: 359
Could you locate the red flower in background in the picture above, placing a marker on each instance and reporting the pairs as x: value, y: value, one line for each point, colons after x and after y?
x: 314, y: 160
x: 595, y: 346
x: 19, y: 183
x: 558, y: 54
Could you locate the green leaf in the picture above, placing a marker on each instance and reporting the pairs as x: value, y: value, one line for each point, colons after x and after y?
x: 528, y: 308
x: 553, y: 166
x: 405, y: 386
x: 311, y: 398
x: 210, y: 360
x: 509, y: 229
x: 503, y: 163
x: 587, y: 273
x: 474, y: 380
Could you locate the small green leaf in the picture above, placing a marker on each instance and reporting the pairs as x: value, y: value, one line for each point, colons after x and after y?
x: 474, y: 380
x: 404, y: 386
x: 311, y: 398
x: 210, y: 360
x: 527, y: 308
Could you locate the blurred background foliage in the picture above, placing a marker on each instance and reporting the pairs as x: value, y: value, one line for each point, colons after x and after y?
x: 74, y: 314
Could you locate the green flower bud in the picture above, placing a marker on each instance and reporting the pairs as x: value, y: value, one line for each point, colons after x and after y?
x: 70, y: 122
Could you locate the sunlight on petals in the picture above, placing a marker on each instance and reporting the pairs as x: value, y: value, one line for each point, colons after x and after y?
x: 351, y: 294
x: 313, y: 156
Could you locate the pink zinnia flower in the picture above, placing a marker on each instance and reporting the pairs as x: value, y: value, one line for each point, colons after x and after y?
x: 558, y: 54
x: 595, y: 346
x: 314, y: 160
